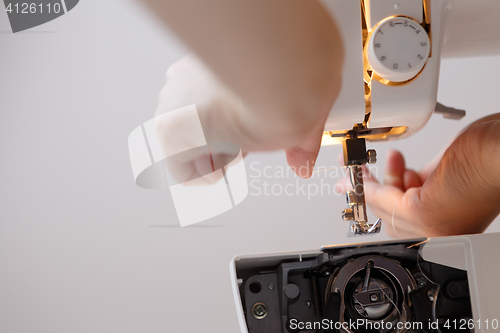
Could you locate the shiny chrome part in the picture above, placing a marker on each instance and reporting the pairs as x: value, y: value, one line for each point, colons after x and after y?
x: 347, y: 214
x: 355, y: 156
x: 432, y: 294
x: 360, y: 229
x: 357, y: 211
x: 356, y: 199
x: 259, y: 311
x: 371, y: 155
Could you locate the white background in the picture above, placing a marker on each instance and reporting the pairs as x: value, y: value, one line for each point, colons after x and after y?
x: 82, y: 248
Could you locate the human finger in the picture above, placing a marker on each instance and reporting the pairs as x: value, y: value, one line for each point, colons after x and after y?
x: 302, y: 158
x: 380, y: 197
x: 395, y: 168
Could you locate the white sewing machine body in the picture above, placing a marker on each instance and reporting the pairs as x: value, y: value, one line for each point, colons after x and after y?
x: 453, y: 279
x: 454, y: 27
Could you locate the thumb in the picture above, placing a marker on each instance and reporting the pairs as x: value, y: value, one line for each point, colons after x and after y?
x: 302, y: 158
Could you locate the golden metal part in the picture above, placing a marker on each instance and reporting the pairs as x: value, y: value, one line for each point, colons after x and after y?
x: 328, y: 140
x: 427, y: 22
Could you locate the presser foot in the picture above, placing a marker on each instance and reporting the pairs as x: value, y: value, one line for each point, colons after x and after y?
x: 363, y: 229
x: 355, y: 156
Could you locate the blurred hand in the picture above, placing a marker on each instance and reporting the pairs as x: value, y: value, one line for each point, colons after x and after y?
x: 457, y: 194
x: 188, y: 82
x: 225, y: 118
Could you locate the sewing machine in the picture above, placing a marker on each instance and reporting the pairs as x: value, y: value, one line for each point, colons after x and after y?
x: 393, y: 51
x: 445, y: 284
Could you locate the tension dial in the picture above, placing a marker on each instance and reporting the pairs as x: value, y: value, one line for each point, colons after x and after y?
x: 398, y: 49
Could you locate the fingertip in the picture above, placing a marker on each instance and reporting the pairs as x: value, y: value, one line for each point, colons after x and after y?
x: 395, y: 161
x: 302, y: 164
x: 395, y: 168
x: 302, y: 159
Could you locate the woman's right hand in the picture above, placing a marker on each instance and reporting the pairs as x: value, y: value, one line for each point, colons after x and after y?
x: 458, y: 194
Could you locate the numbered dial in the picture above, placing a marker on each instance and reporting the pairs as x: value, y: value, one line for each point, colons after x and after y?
x: 398, y: 49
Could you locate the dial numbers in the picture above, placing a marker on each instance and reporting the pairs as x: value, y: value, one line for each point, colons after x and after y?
x: 400, y: 45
